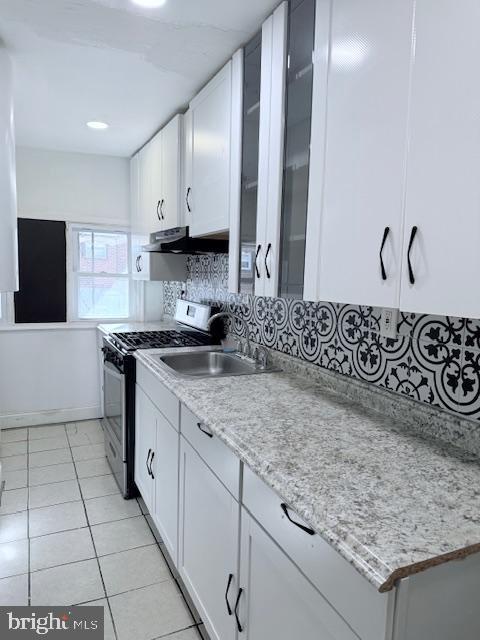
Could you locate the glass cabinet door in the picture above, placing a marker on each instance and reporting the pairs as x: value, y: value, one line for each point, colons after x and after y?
x: 299, y: 81
x: 251, y: 122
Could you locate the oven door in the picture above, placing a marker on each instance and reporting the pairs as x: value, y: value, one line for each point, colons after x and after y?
x: 114, y: 407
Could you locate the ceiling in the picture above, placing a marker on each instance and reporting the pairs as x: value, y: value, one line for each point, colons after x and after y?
x: 110, y: 60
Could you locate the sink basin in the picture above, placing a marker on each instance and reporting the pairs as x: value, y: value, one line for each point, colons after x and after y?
x: 207, y: 364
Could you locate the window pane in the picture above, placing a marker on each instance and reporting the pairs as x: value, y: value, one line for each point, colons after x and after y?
x: 85, y: 246
x: 102, y: 297
x: 110, y: 253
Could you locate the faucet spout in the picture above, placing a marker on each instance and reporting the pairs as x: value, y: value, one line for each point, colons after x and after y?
x: 228, y: 314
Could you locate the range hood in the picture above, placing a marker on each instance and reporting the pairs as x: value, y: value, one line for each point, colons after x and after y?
x: 178, y: 240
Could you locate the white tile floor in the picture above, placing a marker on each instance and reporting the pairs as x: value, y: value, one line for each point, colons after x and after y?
x: 68, y: 537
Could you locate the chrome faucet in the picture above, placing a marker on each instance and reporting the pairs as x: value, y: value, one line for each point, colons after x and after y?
x: 229, y: 314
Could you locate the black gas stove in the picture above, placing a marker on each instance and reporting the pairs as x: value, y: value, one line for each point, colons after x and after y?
x: 134, y: 340
x: 119, y: 377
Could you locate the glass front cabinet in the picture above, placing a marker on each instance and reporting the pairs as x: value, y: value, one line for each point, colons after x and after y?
x: 277, y: 108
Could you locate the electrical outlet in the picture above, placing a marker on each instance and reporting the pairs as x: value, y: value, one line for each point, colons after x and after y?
x: 388, y: 323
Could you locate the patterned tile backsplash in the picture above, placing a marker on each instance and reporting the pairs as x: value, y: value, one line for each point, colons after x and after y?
x: 434, y: 359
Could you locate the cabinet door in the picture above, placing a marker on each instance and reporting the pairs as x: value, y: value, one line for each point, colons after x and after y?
x: 165, y: 512
x: 134, y: 190
x: 298, y: 111
x: 277, y: 601
x: 155, y: 177
x: 187, y: 168
x: 145, y: 416
x: 364, y: 175
x: 211, y: 112
x: 146, y: 204
x: 245, y: 261
x: 443, y: 186
x: 270, y: 160
x: 140, y: 260
x: 208, y: 547
x: 170, y: 177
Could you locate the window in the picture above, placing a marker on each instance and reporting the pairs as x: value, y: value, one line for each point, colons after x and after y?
x: 101, y: 288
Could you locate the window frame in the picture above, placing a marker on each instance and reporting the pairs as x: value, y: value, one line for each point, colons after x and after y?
x: 73, y: 229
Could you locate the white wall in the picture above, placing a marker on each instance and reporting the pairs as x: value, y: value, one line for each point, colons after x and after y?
x: 48, y: 376
x: 52, y: 375
x: 76, y: 187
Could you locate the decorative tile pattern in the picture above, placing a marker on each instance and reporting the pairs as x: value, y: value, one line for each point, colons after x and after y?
x: 434, y: 359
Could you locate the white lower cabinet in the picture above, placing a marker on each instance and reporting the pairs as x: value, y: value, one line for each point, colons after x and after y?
x: 165, y: 510
x: 208, y: 543
x: 145, y: 425
x: 156, y: 462
x: 277, y: 601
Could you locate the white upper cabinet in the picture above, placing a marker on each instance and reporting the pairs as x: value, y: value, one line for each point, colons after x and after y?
x: 215, y: 164
x: 354, y: 244
x: 255, y: 233
x: 171, y: 208
x: 271, y: 149
x: 156, y: 181
x: 187, y: 169
x: 443, y: 185
x: 8, y: 190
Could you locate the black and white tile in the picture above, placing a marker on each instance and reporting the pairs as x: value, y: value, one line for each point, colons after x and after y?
x: 433, y: 359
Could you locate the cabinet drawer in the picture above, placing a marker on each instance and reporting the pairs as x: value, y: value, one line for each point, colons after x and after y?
x: 163, y: 399
x: 357, y: 601
x: 214, y: 452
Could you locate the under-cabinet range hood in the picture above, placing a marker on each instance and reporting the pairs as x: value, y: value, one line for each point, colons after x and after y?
x: 178, y: 240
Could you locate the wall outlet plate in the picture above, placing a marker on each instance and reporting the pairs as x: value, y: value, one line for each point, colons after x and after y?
x: 388, y: 323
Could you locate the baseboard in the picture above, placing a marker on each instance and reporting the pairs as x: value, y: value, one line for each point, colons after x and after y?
x: 55, y: 416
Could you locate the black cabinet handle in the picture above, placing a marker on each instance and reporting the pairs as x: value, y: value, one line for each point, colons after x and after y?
x: 158, y: 210
x: 187, y: 200
x: 151, y: 460
x: 229, y: 608
x: 265, y: 260
x: 239, y: 626
x: 207, y: 433
x: 136, y: 263
x: 384, y: 239
x: 140, y: 261
x: 310, y: 532
x: 146, y: 462
x: 256, y: 259
x: 161, y: 208
x: 411, y: 275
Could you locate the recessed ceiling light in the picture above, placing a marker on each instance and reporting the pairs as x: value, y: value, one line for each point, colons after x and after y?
x: 149, y: 4
x: 96, y: 124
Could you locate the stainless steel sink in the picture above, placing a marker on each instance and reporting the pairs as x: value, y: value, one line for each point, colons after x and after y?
x: 208, y: 364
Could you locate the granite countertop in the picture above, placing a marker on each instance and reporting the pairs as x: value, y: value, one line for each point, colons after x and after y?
x: 390, y: 502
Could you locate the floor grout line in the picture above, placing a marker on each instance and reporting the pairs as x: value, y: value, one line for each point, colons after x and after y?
x: 96, y: 555
x: 83, y: 500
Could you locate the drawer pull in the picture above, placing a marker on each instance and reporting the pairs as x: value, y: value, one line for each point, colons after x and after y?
x: 411, y: 275
x: 310, y: 532
x: 151, y: 460
x: 239, y: 626
x: 384, y: 239
x: 146, y: 462
x: 207, y: 433
x: 229, y: 608
x: 256, y: 261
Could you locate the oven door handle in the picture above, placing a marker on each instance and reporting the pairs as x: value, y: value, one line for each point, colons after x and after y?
x: 113, y: 371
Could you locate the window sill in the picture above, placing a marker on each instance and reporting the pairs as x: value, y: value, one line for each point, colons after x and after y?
x: 50, y: 326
